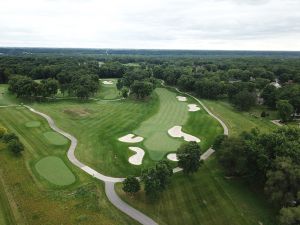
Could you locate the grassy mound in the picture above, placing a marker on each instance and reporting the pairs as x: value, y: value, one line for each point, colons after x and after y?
x: 55, y: 138
x: 55, y: 171
x: 33, y: 123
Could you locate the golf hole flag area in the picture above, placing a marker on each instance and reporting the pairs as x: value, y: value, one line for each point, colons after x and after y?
x: 54, y: 170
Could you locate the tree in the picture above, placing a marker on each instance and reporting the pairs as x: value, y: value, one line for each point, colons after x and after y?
x: 232, y: 156
x: 244, y: 100
x: 50, y: 87
x: 283, y: 182
x: 125, y: 92
x: 3, y: 131
x: 285, y: 110
x: 164, y: 172
x: 290, y: 216
x: 151, y: 182
x: 188, y: 156
x: 15, y: 146
x: 156, y: 178
x: 131, y: 185
x: 141, y: 89
x: 269, y: 94
x: 7, y: 137
x: 218, y: 141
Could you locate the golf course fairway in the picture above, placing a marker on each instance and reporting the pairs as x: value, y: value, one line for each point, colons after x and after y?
x: 172, y: 112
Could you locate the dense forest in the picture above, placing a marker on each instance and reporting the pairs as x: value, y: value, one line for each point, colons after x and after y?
x: 243, y: 81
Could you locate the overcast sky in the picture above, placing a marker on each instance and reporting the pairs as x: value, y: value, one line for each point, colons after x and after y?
x: 159, y: 24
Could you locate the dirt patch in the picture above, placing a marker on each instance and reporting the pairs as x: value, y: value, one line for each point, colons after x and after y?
x: 78, y: 112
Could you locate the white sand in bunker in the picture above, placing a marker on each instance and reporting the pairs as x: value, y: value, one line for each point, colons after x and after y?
x: 131, y: 138
x: 107, y: 82
x: 178, y: 133
x: 172, y: 157
x: 181, y: 98
x: 193, y: 108
x: 137, y: 158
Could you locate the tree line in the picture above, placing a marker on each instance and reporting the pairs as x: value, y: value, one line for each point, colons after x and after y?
x: 268, y: 160
x: 81, y: 86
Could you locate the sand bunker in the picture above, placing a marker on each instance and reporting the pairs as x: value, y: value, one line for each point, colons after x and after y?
x: 137, y: 158
x: 181, y: 98
x: 176, y: 132
x: 107, y: 82
x: 193, y: 108
x: 130, y: 138
x: 78, y: 112
x: 172, y: 157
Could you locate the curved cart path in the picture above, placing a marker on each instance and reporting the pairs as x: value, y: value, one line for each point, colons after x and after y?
x: 110, y: 181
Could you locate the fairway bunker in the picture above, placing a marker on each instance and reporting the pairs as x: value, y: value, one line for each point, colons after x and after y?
x: 78, y: 112
x: 55, y: 138
x: 172, y: 157
x: 55, y: 171
x: 137, y: 158
x: 107, y: 82
x: 181, y: 98
x: 130, y: 138
x: 193, y: 108
x: 178, y: 133
x: 32, y: 124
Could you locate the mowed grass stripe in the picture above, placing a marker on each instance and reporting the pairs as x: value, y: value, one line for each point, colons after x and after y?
x: 98, y: 131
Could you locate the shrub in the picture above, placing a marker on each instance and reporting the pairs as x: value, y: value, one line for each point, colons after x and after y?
x: 15, y: 146
x: 2, y: 131
x: 7, y: 137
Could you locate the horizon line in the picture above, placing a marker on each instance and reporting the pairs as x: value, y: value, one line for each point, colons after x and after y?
x: 149, y: 49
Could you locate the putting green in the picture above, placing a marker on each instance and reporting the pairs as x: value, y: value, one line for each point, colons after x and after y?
x: 55, y: 171
x: 155, y: 129
x: 55, y: 138
x: 33, y: 123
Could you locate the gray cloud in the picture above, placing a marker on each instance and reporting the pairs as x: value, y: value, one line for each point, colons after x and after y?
x: 206, y: 24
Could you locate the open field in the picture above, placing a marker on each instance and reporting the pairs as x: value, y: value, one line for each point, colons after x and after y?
x: 108, y: 91
x: 237, y: 121
x: 35, y: 200
x: 205, y: 198
x: 5, y: 97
